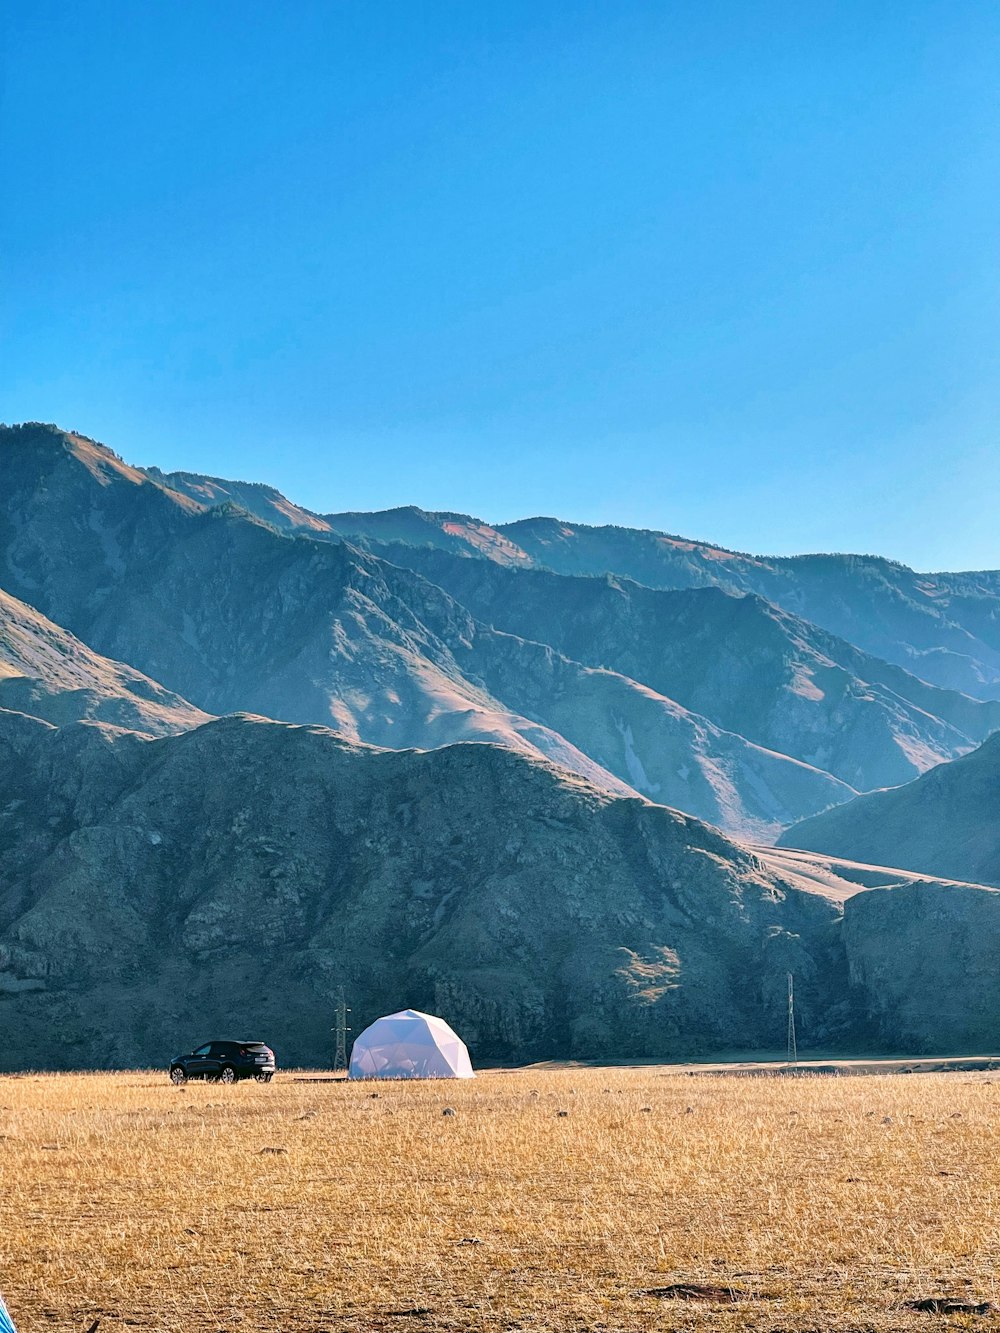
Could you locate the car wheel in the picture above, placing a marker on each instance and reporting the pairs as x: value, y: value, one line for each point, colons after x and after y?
x: 177, y: 1075
x: 228, y: 1074
x: 263, y: 1078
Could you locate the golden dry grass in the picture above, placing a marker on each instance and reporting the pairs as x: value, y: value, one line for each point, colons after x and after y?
x: 827, y: 1201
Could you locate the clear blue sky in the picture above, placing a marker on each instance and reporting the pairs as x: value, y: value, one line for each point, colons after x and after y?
x: 727, y: 269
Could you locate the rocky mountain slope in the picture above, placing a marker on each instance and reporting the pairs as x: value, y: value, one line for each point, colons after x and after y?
x: 234, y: 616
x: 233, y: 876
x: 698, y: 698
x: 47, y: 672
x: 945, y: 823
x: 926, y: 962
x: 662, y: 750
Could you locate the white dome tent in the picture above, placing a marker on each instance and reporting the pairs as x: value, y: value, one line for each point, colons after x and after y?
x: 409, y: 1045
x: 6, y: 1323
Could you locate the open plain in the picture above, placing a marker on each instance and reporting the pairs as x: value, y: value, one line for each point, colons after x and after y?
x: 550, y: 1199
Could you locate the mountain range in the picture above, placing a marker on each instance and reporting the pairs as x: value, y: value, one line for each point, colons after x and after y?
x: 527, y: 774
x: 942, y: 627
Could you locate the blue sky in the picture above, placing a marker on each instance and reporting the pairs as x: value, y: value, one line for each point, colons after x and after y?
x: 725, y: 269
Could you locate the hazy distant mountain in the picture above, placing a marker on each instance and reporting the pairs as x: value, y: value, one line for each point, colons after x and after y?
x: 235, y: 875
x: 945, y: 823
x: 773, y: 679
x: 944, y: 628
x: 457, y: 533
x: 47, y: 672
x: 751, y: 668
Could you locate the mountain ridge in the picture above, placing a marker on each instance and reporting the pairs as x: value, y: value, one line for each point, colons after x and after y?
x: 940, y: 625
x: 143, y: 896
x: 235, y: 616
x: 47, y: 672
x: 337, y: 635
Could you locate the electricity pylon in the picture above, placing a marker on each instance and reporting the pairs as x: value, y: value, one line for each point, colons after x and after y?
x: 341, y: 1030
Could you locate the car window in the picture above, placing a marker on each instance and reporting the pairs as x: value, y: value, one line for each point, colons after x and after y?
x: 221, y: 1047
x: 203, y: 1050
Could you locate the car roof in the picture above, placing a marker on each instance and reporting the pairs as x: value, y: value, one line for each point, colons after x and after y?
x: 230, y: 1041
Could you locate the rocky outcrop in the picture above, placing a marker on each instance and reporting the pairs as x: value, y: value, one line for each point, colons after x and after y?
x: 924, y: 962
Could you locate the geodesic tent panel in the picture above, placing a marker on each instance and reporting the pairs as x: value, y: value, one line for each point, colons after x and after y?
x: 6, y: 1323
x: 409, y: 1045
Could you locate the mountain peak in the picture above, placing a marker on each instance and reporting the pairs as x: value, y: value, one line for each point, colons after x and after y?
x: 47, y: 439
x: 37, y: 449
x: 253, y: 497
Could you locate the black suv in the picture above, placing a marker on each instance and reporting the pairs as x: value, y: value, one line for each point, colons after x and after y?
x: 225, y: 1062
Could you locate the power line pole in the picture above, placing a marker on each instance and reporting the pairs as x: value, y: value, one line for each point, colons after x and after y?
x: 793, y: 1055
x: 341, y: 1030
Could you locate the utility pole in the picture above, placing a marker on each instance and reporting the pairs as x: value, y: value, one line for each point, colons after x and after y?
x: 341, y: 1030
x: 793, y: 1055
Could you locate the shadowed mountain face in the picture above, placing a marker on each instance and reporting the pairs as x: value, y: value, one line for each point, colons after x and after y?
x: 235, y: 875
x: 944, y: 628
x: 945, y: 823
x: 926, y: 961
x: 738, y: 662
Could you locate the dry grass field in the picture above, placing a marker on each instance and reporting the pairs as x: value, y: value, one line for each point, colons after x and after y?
x: 820, y: 1203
